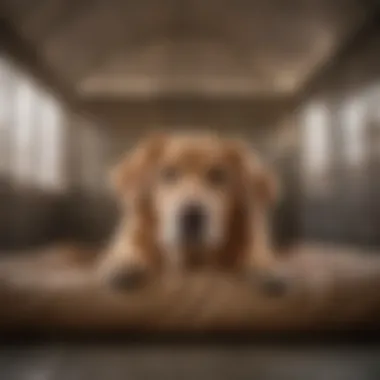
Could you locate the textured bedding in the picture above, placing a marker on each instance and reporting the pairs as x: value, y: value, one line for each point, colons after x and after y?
x: 57, y: 289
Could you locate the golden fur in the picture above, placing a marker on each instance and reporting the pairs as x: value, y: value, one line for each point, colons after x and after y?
x: 240, y: 204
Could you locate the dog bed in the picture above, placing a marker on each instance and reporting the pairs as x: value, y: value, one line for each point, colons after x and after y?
x: 328, y: 288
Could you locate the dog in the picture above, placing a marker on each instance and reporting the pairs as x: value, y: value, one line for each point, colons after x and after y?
x: 190, y: 201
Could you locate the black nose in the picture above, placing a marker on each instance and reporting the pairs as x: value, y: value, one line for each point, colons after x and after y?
x: 193, y: 220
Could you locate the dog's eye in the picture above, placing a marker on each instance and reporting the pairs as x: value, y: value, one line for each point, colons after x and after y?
x: 169, y: 174
x: 217, y: 175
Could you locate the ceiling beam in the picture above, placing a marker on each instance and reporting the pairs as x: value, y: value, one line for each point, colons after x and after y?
x: 257, y: 112
x: 27, y: 56
x: 133, y: 42
x: 73, y: 11
x: 270, y: 103
x: 23, y: 11
x: 354, y: 41
x: 179, y: 24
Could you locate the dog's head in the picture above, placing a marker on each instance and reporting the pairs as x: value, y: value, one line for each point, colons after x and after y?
x: 194, y: 187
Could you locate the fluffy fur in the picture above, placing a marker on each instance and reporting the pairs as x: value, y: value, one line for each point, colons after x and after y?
x: 160, y: 177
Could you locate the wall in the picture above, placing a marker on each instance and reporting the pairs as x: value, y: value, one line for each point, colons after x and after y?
x: 128, y: 120
x: 52, y: 184
x: 32, y: 172
x: 339, y: 125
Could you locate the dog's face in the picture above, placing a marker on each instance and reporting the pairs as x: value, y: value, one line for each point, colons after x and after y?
x: 193, y: 186
x: 194, y: 191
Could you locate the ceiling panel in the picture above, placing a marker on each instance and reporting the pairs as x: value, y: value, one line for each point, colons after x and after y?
x: 117, y: 48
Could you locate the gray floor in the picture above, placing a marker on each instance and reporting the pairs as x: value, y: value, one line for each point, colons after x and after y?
x: 114, y: 362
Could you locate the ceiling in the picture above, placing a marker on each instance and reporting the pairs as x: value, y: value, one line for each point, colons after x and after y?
x: 109, y: 49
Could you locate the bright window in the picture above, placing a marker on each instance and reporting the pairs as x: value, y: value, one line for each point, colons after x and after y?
x: 51, y: 125
x: 353, y: 119
x: 22, y: 129
x: 315, y: 139
x: 31, y: 131
x: 6, y: 100
x: 92, y: 155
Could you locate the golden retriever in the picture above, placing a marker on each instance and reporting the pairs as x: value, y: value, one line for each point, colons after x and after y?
x: 191, y: 201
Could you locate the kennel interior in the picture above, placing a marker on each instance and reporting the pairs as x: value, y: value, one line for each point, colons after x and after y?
x: 82, y: 81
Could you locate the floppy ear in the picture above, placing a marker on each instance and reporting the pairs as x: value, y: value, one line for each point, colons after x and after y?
x: 260, y: 180
x: 130, y: 175
x: 266, y: 186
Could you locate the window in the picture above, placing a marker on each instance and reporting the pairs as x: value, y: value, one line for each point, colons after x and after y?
x: 49, y: 167
x: 353, y: 118
x: 31, y: 131
x: 372, y: 98
x: 92, y: 145
x: 34, y: 137
x: 22, y: 129
x: 372, y: 132
x: 315, y: 149
x: 6, y: 99
x: 315, y: 139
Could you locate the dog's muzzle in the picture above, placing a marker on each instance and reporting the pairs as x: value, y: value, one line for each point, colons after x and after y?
x: 193, y: 224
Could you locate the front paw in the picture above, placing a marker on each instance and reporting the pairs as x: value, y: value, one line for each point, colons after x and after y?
x: 270, y: 283
x: 129, y: 278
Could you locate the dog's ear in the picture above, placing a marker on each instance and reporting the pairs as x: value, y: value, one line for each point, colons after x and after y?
x: 131, y: 173
x: 259, y: 180
x: 266, y: 185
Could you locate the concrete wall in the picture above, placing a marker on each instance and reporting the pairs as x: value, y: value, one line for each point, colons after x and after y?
x: 341, y: 204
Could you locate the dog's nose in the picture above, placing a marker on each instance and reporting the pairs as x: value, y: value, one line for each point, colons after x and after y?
x: 193, y: 220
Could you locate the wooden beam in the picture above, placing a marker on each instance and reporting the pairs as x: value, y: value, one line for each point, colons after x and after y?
x: 133, y: 42
x: 23, y: 11
x: 181, y: 22
x: 73, y: 11
x: 257, y: 111
x: 368, y: 27
x: 252, y: 101
x: 26, y: 55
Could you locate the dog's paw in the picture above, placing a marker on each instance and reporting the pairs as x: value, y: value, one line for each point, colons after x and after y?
x: 269, y: 283
x: 129, y: 278
x: 274, y: 285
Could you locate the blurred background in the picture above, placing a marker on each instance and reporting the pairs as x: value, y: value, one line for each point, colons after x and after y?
x: 81, y: 81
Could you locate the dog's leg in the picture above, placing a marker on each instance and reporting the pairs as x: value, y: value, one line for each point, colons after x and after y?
x: 126, y: 264
x: 260, y: 255
x: 262, y: 266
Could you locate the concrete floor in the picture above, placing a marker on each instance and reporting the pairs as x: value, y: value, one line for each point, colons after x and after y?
x: 62, y: 361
